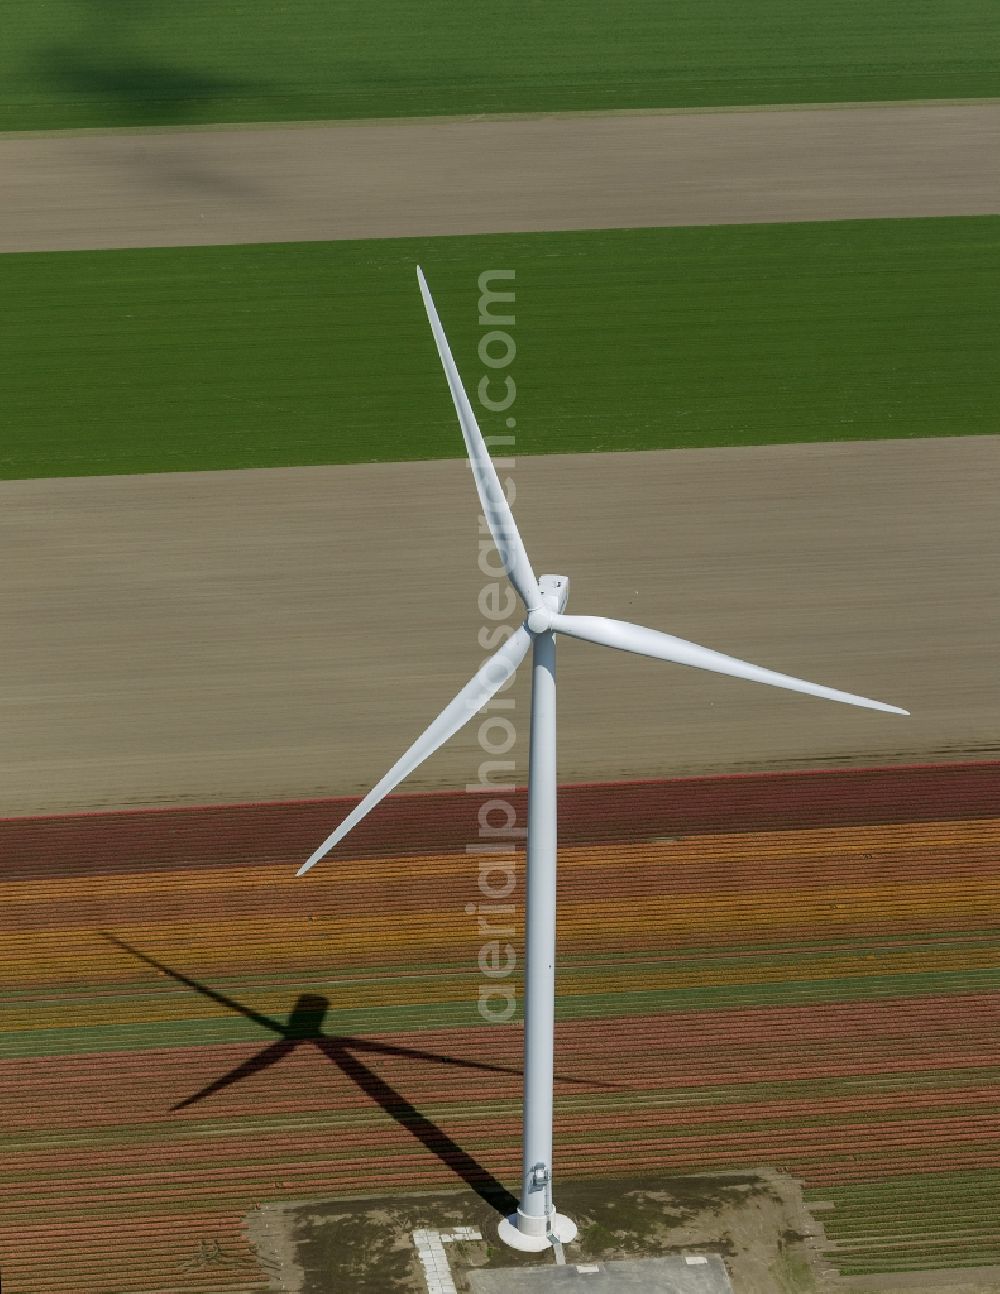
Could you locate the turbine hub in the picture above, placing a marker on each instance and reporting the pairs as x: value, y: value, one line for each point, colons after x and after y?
x: 539, y: 620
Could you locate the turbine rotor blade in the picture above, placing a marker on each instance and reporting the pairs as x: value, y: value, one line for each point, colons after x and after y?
x: 485, y: 683
x: 650, y: 642
x: 496, y: 509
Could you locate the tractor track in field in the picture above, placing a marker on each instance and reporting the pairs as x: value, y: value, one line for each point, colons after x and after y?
x: 427, y: 177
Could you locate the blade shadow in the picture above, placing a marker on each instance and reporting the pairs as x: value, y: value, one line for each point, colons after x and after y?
x: 263, y: 1060
x: 198, y: 987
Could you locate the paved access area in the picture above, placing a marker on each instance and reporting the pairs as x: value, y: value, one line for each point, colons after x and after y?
x: 427, y: 177
x: 696, y: 1274
x: 187, y: 638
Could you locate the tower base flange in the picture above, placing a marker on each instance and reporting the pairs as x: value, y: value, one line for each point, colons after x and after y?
x: 562, y: 1227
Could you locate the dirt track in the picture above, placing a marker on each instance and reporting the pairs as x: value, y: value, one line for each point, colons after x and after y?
x: 232, y: 635
x: 396, y: 179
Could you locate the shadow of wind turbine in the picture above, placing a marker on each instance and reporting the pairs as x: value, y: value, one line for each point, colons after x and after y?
x: 304, y: 1027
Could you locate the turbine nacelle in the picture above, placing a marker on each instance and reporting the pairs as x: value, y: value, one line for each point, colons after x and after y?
x: 555, y: 594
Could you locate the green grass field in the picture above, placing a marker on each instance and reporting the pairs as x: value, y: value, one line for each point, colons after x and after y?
x: 70, y: 63
x: 176, y: 359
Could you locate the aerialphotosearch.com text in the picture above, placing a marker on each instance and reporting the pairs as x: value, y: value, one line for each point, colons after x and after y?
x: 499, y: 831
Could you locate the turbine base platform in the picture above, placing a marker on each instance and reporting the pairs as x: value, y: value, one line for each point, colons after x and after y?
x: 563, y: 1228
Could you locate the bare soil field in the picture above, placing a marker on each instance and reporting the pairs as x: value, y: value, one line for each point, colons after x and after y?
x: 206, y: 637
x: 465, y: 176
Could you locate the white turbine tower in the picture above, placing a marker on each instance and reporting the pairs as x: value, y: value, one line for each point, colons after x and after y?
x: 536, y: 1224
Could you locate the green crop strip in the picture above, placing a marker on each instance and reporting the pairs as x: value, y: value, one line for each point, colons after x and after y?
x: 142, y: 1034
x: 71, y: 63
x: 262, y: 356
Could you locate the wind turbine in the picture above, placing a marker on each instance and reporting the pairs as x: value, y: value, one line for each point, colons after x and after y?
x: 536, y: 1224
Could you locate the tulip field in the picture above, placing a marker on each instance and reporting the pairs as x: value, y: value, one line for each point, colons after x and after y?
x: 792, y: 970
